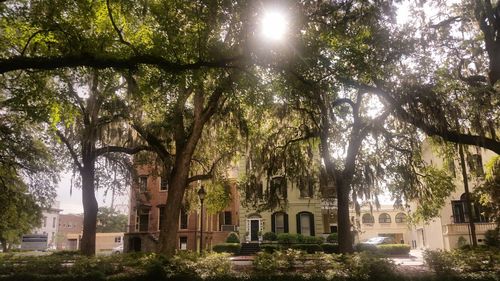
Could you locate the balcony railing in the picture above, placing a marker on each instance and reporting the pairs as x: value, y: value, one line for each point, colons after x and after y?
x: 228, y: 227
x: 463, y: 228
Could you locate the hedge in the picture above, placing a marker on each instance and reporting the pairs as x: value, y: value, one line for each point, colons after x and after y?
x: 270, y: 236
x: 394, y: 249
x: 309, y: 248
x: 330, y: 248
x: 233, y: 238
x: 269, y: 248
x: 233, y: 248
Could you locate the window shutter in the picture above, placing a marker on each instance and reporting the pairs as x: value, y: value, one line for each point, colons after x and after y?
x: 298, y: 223
x: 311, y: 221
x: 273, y: 222
x: 286, y: 222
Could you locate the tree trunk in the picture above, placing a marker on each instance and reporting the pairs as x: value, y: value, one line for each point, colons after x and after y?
x: 170, y: 225
x: 468, y: 203
x: 344, y: 222
x: 87, y: 245
x: 4, y: 245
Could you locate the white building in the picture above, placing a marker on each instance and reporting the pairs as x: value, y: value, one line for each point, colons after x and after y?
x: 50, y: 224
x: 451, y: 228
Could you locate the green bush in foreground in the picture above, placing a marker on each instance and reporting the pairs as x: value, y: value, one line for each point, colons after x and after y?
x: 233, y: 248
x: 269, y: 248
x: 330, y: 248
x: 309, y: 248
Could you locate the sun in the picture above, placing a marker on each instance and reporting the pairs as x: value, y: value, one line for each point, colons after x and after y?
x: 274, y: 25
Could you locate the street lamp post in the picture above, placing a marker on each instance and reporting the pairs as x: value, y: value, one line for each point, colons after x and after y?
x: 201, y: 194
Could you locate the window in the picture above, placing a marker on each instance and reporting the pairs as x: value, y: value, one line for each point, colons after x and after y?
x: 384, y: 218
x: 278, y: 186
x: 163, y: 183
x: 400, y: 218
x: 183, y: 243
x: 279, y: 222
x: 306, y: 189
x: 143, y: 220
x: 459, y: 209
x: 334, y: 229
x: 44, y: 221
x: 161, y: 215
x: 183, y: 220
x: 53, y: 222
x: 227, y: 217
x: 143, y: 183
x: 475, y: 163
x: 118, y: 239
x: 367, y: 218
x: 305, y: 223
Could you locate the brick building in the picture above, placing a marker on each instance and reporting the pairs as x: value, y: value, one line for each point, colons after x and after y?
x: 147, y: 200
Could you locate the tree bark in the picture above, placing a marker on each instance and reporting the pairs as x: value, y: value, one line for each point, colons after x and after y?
x: 90, y: 207
x: 4, y: 245
x: 468, y: 203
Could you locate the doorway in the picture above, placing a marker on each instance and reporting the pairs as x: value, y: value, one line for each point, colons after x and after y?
x: 254, y: 229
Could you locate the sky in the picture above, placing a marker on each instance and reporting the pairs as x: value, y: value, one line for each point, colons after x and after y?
x: 72, y: 203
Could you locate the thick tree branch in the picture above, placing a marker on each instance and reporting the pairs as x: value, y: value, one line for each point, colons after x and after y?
x: 72, y: 152
x: 209, y: 174
x: 127, y: 150
x: 101, y: 61
x: 430, y: 130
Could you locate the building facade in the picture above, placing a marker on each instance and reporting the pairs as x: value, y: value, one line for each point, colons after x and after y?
x: 147, y: 202
x: 69, y: 224
x: 299, y: 212
x: 49, y: 225
x: 451, y: 228
x: 384, y: 221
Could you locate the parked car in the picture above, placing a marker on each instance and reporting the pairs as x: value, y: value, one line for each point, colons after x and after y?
x: 118, y: 249
x: 379, y: 240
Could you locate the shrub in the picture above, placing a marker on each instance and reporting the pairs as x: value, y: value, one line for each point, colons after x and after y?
x: 362, y: 247
x: 312, y: 240
x: 330, y: 248
x: 394, y: 249
x: 264, y: 263
x: 309, y: 248
x: 233, y: 248
x: 270, y: 236
x: 366, y: 266
x: 269, y: 248
x: 492, y: 237
x: 439, y: 261
x: 233, y: 238
x: 287, y: 238
x: 213, y: 265
x: 332, y: 238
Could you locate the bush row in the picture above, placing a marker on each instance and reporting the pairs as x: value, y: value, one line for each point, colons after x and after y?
x: 287, y: 265
x: 328, y: 248
x: 384, y: 249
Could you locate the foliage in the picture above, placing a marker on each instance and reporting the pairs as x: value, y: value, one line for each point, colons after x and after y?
x: 288, y: 238
x: 310, y: 239
x: 363, y: 247
x: 270, y: 236
x: 218, y: 196
x: 477, y: 263
x: 393, y: 249
x: 265, y: 263
x: 109, y: 220
x: 269, y: 248
x: 492, y: 237
x: 309, y: 248
x: 488, y: 193
x: 232, y: 248
x: 332, y: 238
x: 213, y: 266
x: 330, y: 248
x: 233, y: 238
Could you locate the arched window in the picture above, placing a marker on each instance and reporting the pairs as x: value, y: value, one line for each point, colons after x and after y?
x: 400, y: 218
x: 305, y: 223
x: 367, y: 218
x: 279, y: 222
x: 384, y: 218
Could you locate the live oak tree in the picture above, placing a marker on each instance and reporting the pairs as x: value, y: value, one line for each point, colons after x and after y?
x: 109, y: 220
x: 28, y: 174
